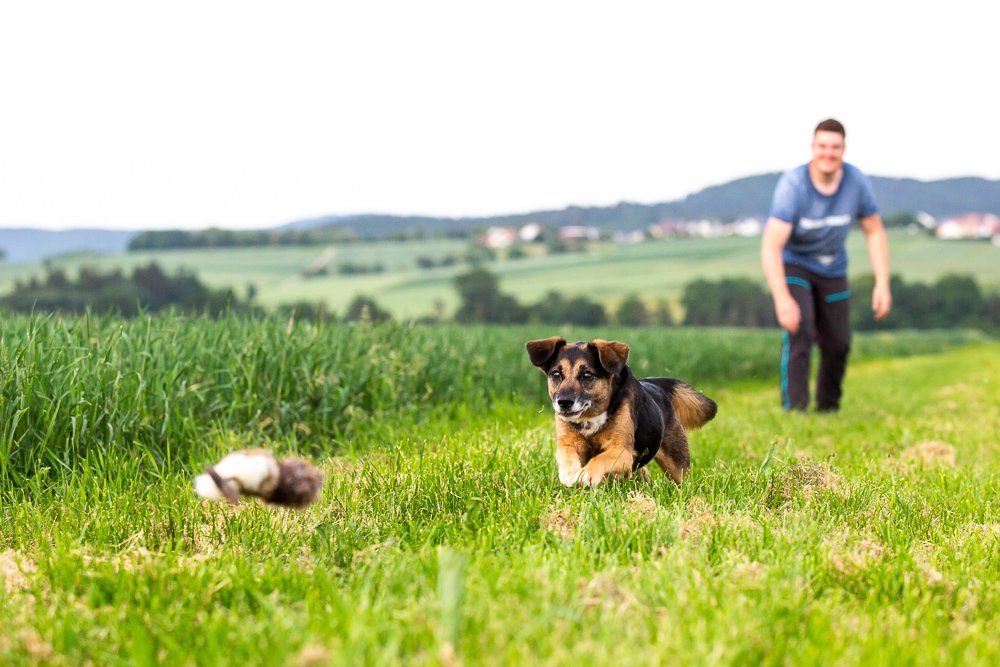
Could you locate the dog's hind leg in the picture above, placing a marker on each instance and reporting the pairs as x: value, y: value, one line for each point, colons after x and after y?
x: 673, y: 457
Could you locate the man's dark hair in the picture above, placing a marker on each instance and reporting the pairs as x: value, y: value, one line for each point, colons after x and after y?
x: 831, y: 125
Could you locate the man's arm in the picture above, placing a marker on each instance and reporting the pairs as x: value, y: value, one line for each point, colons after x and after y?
x: 878, y: 251
x: 776, y: 235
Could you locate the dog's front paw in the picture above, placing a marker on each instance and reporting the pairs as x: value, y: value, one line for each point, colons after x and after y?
x: 591, y: 476
x: 568, y: 475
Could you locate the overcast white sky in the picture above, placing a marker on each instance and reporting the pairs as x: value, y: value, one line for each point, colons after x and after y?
x: 239, y: 114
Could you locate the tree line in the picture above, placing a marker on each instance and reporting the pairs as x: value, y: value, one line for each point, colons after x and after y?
x: 952, y: 301
x: 149, y: 289
x: 482, y: 301
x: 146, y: 289
x: 180, y: 239
x: 213, y: 237
x: 227, y: 238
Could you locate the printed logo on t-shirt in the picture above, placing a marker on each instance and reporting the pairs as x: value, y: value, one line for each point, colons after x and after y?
x: 828, y: 221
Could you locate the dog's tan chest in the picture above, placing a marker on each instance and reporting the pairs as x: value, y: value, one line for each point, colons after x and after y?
x: 597, y: 434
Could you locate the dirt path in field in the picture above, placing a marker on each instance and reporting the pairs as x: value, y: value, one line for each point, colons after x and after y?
x: 321, y: 261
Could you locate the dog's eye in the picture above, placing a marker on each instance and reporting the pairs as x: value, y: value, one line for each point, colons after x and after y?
x: 588, y: 376
x: 555, y: 375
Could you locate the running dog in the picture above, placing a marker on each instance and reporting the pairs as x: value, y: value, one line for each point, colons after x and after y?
x: 610, y: 423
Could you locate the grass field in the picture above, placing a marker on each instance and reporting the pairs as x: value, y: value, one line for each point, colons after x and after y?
x: 444, y: 537
x: 656, y: 269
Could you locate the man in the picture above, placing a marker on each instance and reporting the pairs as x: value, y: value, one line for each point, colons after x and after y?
x: 805, y: 263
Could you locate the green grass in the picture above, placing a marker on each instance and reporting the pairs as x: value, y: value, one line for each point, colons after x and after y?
x: 443, y: 534
x: 656, y: 269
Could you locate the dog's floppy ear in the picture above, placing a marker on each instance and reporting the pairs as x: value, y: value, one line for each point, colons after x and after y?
x: 611, y: 354
x: 544, y: 350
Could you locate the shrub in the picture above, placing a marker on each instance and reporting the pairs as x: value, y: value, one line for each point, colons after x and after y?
x: 736, y: 302
x: 633, y: 312
x: 365, y: 309
x: 148, y: 289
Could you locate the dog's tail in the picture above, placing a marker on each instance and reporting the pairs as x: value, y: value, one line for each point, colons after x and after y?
x: 693, y: 408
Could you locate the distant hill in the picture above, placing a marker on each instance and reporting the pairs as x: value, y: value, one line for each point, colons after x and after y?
x: 33, y: 245
x: 309, y: 223
x: 752, y: 195
x: 742, y: 197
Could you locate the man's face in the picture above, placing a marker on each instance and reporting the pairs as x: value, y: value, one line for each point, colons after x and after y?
x: 828, y: 151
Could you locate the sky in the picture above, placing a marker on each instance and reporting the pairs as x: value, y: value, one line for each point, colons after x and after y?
x: 136, y: 115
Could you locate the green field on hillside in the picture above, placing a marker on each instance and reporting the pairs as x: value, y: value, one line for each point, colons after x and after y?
x: 656, y: 269
x: 443, y: 535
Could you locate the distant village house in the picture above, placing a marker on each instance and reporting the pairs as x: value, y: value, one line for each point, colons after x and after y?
x: 498, y: 237
x: 579, y: 233
x: 529, y: 232
x: 970, y: 226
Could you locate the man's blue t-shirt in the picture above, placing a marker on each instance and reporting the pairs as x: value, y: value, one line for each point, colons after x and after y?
x: 820, y: 222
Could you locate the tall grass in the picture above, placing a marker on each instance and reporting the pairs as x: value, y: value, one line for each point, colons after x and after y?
x: 158, y: 388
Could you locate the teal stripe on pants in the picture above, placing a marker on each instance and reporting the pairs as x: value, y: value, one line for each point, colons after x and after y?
x: 794, y: 280
x: 839, y: 296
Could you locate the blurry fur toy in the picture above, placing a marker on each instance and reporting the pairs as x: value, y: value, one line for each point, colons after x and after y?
x: 290, y: 482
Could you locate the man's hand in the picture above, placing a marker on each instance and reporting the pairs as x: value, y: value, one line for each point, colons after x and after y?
x: 881, y: 300
x: 776, y: 235
x: 878, y: 251
x: 788, y: 313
